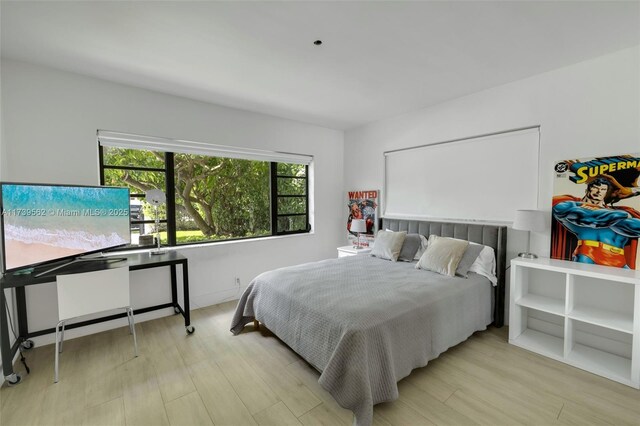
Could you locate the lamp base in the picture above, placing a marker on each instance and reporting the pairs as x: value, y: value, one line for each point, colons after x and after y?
x: 158, y: 249
x: 358, y: 247
x: 528, y: 255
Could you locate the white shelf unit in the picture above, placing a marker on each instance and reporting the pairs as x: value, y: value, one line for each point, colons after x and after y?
x: 584, y: 315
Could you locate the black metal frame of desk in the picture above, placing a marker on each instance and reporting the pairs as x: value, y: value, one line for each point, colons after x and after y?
x: 136, y: 262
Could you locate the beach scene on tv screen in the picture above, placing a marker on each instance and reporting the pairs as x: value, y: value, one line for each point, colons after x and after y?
x: 43, y: 223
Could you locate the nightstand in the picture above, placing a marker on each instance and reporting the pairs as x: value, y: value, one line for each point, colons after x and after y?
x: 350, y: 251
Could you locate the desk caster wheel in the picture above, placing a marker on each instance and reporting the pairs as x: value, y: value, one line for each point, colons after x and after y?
x: 190, y: 329
x: 27, y: 344
x: 176, y: 310
x: 13, y: 379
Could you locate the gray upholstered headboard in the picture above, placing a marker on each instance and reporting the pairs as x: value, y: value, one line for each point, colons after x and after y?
x: 494, y: 236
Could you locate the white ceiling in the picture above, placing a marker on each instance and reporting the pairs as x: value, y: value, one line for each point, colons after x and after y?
x: 379, y: 59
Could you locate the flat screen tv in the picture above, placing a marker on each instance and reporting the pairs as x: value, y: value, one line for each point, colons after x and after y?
x: 44, y: 223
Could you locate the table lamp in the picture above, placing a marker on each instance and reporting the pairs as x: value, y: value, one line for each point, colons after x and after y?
x: 156, y: 198
x: 530, y: 221
x: 358, y: 226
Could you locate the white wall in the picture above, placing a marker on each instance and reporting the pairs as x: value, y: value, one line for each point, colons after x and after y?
x: 584, y: 110
x: 8, y: 293
x: 50, y: 123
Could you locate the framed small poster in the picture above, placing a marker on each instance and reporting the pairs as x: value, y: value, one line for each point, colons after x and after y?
x: 596, y: 211
x: 363, y: 205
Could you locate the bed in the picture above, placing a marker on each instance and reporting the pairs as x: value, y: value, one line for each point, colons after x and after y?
x: 365, y: 323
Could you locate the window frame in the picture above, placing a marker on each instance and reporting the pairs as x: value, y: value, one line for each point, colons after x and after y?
x: 169, y: 172
x: 275, y: 195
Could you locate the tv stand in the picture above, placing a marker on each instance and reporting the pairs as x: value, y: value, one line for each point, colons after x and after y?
x: 82, y: 259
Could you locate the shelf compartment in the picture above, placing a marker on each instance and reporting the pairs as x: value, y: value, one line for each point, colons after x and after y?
x: 619, y: 321
x: 606, y: 303
x: 543, y: 283
x: 542, y: 303
x: 542, y: 343
x: 602, y: 363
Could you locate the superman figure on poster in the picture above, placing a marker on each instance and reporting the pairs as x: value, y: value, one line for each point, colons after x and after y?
x: 600, y: 232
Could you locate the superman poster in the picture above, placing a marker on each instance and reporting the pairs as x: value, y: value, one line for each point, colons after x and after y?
x: 596, y: 211
x: 363, y: 205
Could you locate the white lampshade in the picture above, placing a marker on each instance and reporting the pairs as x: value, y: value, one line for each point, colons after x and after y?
x: 155, y: 197
x: 358, y: 225
x: 530, y: 220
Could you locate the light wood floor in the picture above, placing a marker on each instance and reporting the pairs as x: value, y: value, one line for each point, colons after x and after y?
x: 215, y: 378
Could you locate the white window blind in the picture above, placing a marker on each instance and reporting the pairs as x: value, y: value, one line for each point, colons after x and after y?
x: 151, y: 143
x: 486, y: 177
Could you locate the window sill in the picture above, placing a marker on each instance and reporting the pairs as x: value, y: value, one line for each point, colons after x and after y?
x: 211, y: 244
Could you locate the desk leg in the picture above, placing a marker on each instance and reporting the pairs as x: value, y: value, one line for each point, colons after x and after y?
x: 5, y: 346
x: 23, y: 322
x: 174, y: 289
x: 187, y: 309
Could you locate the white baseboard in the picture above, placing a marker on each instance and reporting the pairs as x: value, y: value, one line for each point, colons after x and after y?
x: 216, y: 297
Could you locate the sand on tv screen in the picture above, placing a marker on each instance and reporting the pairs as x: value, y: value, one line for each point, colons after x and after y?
x: 43, y: 223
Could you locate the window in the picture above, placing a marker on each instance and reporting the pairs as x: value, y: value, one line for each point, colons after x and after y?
x: 140, y: 171
x: 209, y: 198
x: 290, y: 193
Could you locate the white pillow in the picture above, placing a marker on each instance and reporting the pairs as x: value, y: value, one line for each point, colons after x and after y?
x: 485, y: 265
x: 388, y: 244
x: 443, y: 255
